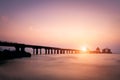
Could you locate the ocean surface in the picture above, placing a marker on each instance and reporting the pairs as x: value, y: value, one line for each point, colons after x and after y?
x: 62, y: 67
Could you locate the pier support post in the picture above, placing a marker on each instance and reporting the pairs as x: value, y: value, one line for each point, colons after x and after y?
x: 60, y: 51
x: 57, y: 51
x: 48, y: 51
x: 40, y: 51
x: 17, y: 49
x: 36, y: 51
x: 45, y: 51
x: 22, y: 49
x: 51, y: 51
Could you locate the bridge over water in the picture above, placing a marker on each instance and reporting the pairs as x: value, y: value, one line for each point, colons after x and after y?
x: 38, y: 49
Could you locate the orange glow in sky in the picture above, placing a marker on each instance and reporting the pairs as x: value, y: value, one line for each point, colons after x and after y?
x: 68, y: 24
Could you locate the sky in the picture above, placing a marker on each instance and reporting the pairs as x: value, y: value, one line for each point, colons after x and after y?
x: 61, y: 23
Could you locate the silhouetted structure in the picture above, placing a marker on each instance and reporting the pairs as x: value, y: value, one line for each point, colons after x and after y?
x: 98, y: 50
x: 38, y: 49
x: 106, y: 50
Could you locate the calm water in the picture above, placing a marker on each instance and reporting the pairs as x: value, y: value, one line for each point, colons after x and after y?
x: 63, y: 67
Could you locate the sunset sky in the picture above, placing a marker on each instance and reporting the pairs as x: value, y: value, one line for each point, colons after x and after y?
x: 61, y: 23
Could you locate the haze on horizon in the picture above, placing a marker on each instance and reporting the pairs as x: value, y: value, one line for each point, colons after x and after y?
x: 61, y: 23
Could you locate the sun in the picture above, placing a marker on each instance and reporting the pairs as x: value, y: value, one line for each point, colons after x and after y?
x: 84, y: 49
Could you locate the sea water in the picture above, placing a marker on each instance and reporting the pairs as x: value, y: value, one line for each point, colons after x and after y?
x: 62, y: 67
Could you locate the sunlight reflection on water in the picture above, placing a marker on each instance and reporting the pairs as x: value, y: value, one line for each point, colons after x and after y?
x: 63, y: 67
